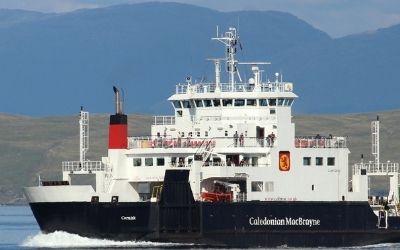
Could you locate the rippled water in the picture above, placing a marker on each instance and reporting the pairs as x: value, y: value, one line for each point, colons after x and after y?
x: 18, y: 230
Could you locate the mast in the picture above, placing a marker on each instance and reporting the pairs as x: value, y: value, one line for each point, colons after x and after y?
x: 83, y: 135
x: 230, y: 40
x: 375, y: 140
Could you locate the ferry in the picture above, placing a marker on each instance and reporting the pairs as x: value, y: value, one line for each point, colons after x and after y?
x: 225, y: 170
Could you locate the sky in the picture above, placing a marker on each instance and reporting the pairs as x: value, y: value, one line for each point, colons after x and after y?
x: 336, y: 17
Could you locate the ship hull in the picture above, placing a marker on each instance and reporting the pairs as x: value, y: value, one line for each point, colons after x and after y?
x: 245, y: 224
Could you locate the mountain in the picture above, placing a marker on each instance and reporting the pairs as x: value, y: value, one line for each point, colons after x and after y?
x: 32, y: 146
x: 51, y: 64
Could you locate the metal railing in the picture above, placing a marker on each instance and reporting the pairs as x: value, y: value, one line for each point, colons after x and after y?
x: 234, y: 118
x: 388, y: 167
x: 84, y: 166
x: 320, y: 142
x: 164, y: 120
x: 184, y: 88
x: 195, y: 142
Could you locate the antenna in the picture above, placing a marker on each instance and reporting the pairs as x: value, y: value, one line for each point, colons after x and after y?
x: 230, y: 40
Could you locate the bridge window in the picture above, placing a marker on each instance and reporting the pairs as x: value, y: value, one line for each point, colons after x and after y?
x: 306, y: 161
x: 217, y: 102
x: 199, y: 103
x: 319, y: 161
x: 251, y: 102
x: 263, y: 102
x: 272, y: 102
x: 269, y: 186
x: 177, y: 104
x: 148, y: 162
x: 290, y: 101
x: 331, y: 161
x: 207, y: 103
x: 137, y: 162
x: 256, y: 186
x: 280, y: 101
x: 160, y: 161
x: 239, y: 102
x: 186, y: 104
x: 227, y: 102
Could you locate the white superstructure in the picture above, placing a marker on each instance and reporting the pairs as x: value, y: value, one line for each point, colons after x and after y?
x: 236, y: 137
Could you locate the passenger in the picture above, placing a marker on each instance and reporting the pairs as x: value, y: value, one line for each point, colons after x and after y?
x: 179, y: 140
x: 241, y: 140
x: 228, y: 162
x: 181, y: 163
x: 235, y: 138
x: 271, y: 139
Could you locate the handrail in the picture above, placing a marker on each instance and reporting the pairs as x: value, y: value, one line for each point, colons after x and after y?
x: 184, y: 88
x: 388, y: 167
x: 320, y: 142
x: 84, y: 166
x: 196, y: 142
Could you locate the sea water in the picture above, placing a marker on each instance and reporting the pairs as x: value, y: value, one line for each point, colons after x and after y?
x: 19, y: 230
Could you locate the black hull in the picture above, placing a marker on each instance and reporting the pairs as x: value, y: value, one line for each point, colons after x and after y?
x: 331, y: 224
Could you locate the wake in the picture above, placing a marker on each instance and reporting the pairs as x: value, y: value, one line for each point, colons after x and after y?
x: 60, y: 239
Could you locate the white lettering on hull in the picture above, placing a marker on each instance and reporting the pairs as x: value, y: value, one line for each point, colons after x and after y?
x: 128, y: 217
x: 287, y: 221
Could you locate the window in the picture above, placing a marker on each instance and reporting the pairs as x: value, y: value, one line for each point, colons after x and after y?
x: 272, y: 102
x: 198, y: 133
x: 263, y: 102
x: 226, y: 133
x: 199, y: 103
x: 217, y: 102
x: 280, y: 101
x: 312, y: 187
x: 269, y: 186
x: 177, y: 104
x: 160, y: 161
x: 239, y: 102
x: 272, y: 111
x: 319, y: 161
x: 290, y: 101
x: 205, y: 133
x: 148, y: 162
x: 183, y: 134
x: 254, y: 161
x: 331, y: 161
x: 227, y: 102
x: 186, y: 104
x: 137, y: 162
x: 207, y: 103
x: 256, y: 186
x: 306, y: 161
x: 251, y: 102
x: 173, y: 161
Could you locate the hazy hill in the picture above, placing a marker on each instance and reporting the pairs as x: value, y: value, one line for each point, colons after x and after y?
x: 31, y: 146
x: 50, y: 64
